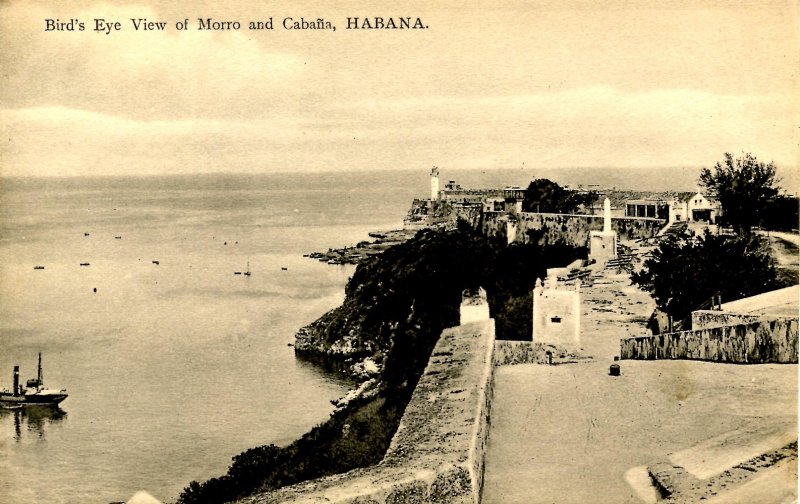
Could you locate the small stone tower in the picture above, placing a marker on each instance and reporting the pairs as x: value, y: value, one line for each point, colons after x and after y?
x: 435, y: 183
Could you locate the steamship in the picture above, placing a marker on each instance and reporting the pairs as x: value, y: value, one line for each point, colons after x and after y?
x: 33, y: 394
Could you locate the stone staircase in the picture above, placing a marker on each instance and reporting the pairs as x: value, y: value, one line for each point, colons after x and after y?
x: 626, y: 256
x: 675, y: 228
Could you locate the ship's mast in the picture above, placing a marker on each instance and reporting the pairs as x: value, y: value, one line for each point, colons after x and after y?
x: 39, y: 383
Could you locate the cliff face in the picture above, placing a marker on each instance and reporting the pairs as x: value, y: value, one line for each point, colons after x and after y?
x: 397, y: 303
x: 397, y: 300
x: 318, y: 337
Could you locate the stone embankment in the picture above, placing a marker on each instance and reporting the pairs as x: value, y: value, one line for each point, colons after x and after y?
x: 437, y: 453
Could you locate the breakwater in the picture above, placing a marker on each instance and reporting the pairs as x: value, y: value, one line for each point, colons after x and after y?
x: 756, y: 342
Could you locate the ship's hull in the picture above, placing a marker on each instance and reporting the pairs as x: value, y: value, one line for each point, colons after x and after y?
x: 11, y: 401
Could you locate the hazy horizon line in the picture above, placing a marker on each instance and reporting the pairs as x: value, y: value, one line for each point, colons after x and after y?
x: 780, y: 167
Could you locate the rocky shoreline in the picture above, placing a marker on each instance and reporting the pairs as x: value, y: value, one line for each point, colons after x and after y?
x: 382, y: 240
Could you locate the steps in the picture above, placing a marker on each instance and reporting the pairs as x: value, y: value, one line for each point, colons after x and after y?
x: 675, y: 228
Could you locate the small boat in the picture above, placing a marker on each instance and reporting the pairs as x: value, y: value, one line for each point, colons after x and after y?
x: 156, y: 263
x: 38, y: 267
x: 84, y: 264
x: 33, y: 394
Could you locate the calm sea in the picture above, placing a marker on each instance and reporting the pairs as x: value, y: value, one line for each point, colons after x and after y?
x: 174, y: 368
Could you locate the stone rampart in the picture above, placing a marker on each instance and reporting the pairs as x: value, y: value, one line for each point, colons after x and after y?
x: 746, y: 343
x: 549, y: 228
x: 427, y: 213
x: 437, y: 453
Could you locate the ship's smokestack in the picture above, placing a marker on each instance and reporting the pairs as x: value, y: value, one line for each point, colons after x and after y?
x: 16, y: 381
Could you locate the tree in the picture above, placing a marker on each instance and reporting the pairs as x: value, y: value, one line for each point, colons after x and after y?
x: 543, y: 195
x: 684, y: 272
x: 744, y: 186
x: 781, y: 214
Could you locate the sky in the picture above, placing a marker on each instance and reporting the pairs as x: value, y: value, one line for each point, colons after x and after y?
x: 487, y: 85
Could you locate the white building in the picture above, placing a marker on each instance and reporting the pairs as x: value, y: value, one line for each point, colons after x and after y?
x: 691, y: 207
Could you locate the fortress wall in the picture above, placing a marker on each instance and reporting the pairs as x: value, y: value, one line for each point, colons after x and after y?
x: 437, y: 453
x: 757, y: 342
x: 493, y: 224
x: 470, y: 214
x: 569, y: 228
x: 425, y: 213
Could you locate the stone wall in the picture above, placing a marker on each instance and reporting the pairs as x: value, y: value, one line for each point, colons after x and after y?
x: 437, y: 453
x: 511, y: 352
x: 425, y: 213
x: 572, y: 229
x: 468, y: 213
x: 748, y: 343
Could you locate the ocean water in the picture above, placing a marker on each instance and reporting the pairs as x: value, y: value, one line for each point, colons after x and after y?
x: 174, y: 368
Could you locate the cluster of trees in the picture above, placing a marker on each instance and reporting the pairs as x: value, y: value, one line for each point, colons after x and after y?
x: 748, y: 191
x: 396, y: 304
x: 543, y: 195
x: 685, y: 271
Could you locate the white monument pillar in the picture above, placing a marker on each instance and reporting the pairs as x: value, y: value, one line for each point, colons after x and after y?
x: 603, y: 244
x: 435, y: 183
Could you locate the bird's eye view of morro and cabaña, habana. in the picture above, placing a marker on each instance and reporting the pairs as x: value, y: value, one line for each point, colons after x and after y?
x: 514, y: 252
x: 556, y: 344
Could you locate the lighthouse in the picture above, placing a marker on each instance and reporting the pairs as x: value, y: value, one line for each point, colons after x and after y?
x: 435, y: 183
